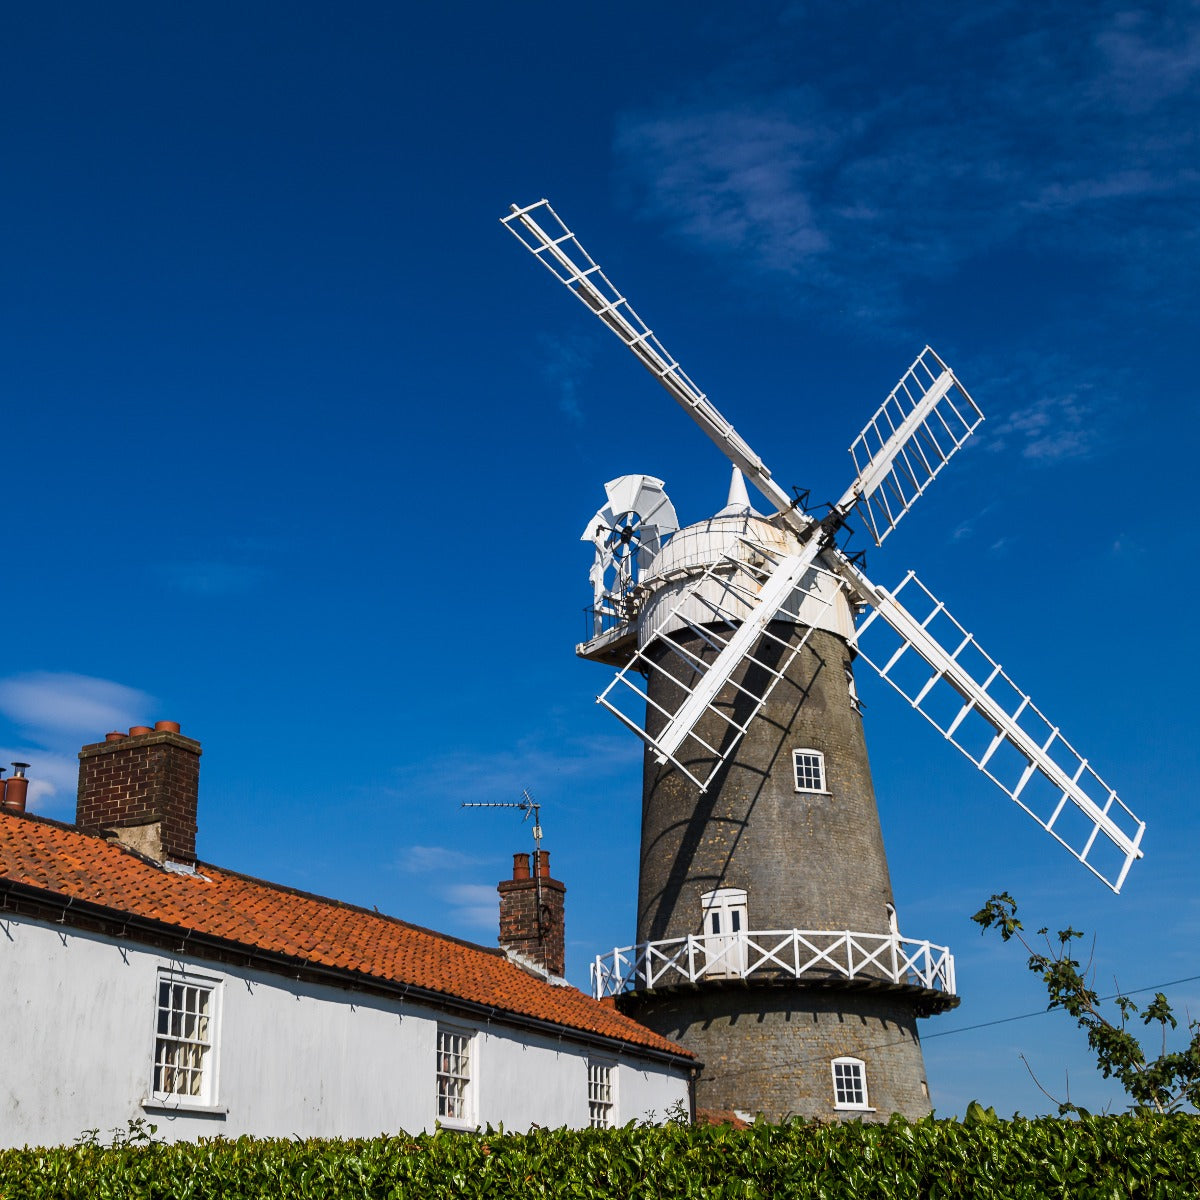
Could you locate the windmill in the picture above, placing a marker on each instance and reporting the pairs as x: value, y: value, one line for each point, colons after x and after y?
x: 767, y: 937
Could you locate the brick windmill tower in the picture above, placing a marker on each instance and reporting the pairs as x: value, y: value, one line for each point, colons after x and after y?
x: 767, y: 936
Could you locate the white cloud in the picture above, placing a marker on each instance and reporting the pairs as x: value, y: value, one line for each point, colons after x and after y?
x: 1051, y: 429
x: 420, y: 860
x: 52, y: 777
x: 876, y: 183
x: 57, y: 712
x: 55, y: 703
x: 564, y: 360
x: 474, y: 904
x: 491, y: 775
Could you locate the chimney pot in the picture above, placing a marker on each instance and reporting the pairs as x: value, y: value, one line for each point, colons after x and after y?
x: 166, y: 726
x: 16, y: 789
x: 138, y: 730
x: 520, y: 866
x: 115, y: 736
x: 543, y: 863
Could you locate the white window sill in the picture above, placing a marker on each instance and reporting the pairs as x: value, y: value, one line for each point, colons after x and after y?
x: 169, y: 1104
x: 458, y: 1124
x: 854, y: 1108
x: 813, y: 792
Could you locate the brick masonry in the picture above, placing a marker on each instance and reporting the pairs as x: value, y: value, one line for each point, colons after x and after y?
x: 769, y: 1050
x: 537, y: 933
x: 143, y: 778
x: 806, y: 861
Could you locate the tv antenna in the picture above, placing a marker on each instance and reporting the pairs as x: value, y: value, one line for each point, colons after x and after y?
x: 527, y: 804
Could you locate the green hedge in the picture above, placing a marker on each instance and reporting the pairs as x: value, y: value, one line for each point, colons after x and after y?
x: 1107, y: 1157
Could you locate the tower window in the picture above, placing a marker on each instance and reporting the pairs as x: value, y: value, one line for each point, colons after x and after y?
x: 809, y: 766
x: 850, y: 1083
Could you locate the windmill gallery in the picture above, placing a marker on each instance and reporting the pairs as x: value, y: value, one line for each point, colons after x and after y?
x: 768, y: 942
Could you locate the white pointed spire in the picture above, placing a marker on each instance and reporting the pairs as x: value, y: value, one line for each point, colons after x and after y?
x: 738, y: 504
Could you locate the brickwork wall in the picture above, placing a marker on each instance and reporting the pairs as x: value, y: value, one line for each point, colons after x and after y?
x: 807, y: 861
x: 539, y: 937
x: 769, y: 1050
x: 147, y: 777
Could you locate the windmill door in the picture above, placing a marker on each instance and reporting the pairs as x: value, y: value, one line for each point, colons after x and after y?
x: 724, y: 912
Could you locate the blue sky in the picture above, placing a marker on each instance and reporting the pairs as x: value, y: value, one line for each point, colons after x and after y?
x: 298, y: 442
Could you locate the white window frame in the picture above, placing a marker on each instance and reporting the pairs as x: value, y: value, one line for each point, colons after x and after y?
x: 807, y: 759
x: 602, y: 1093
x: 456, y: 1082
x: 186, y: 1027
x: 852, y: 1079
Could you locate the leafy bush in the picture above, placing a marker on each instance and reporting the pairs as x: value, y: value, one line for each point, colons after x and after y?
x: 1165, y: 1083
x: 983, y: 1156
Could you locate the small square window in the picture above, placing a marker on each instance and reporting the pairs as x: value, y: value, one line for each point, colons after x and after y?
x: 601, y: 1098
x: 453, y: 1075
x: 184, y: 1034
x: 809, y: 766
x: 849, y: 1083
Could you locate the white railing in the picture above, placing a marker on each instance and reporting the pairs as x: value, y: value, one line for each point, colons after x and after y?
x: 786, y: 953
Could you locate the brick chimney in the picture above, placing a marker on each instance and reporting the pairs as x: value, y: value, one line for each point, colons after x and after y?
x: 532, y: 912
x: 141, y: 789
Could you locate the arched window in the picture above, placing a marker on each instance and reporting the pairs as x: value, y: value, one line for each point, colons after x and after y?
x: 850, y: 1084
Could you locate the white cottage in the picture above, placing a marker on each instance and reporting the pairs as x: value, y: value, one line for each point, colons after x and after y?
x: 138, y: 982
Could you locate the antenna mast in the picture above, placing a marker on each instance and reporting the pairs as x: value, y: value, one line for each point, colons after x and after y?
x: 530, y: 807
x: 527, y: 804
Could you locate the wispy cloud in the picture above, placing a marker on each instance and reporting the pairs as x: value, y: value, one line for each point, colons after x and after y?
x: 1049, y: 430
x: 50, y: 703
x: 421, y: 860
x: 875, y: 183
x: 563, y: 361
x: 53, y: 714
x: 211, y: 578
x: 476, y: 905
x: 563, y: 761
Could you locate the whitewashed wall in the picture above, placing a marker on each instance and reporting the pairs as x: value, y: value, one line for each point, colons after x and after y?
x: 291, y: 1058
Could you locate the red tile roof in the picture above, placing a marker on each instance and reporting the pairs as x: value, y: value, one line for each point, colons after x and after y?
x: 58, y: 859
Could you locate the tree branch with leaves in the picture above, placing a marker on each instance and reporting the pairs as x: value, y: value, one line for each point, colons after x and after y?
x: 1167, y: 1083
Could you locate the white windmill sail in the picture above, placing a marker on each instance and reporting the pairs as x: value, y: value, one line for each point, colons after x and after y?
x: 925, y: 419
x: 889, y: 472
x: 943, y: 672
x: 541, y: 231
x: 920, y: 426
x: 712, y: 614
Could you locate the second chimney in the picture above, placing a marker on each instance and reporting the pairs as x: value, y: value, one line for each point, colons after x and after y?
x: 532, y: 910
x: 144, y: 788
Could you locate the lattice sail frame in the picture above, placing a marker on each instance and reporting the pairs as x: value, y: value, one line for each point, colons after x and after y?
x: 923, y: 422
x: 926, y: 418
x: 966, y: 695
x: 728, y: 590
